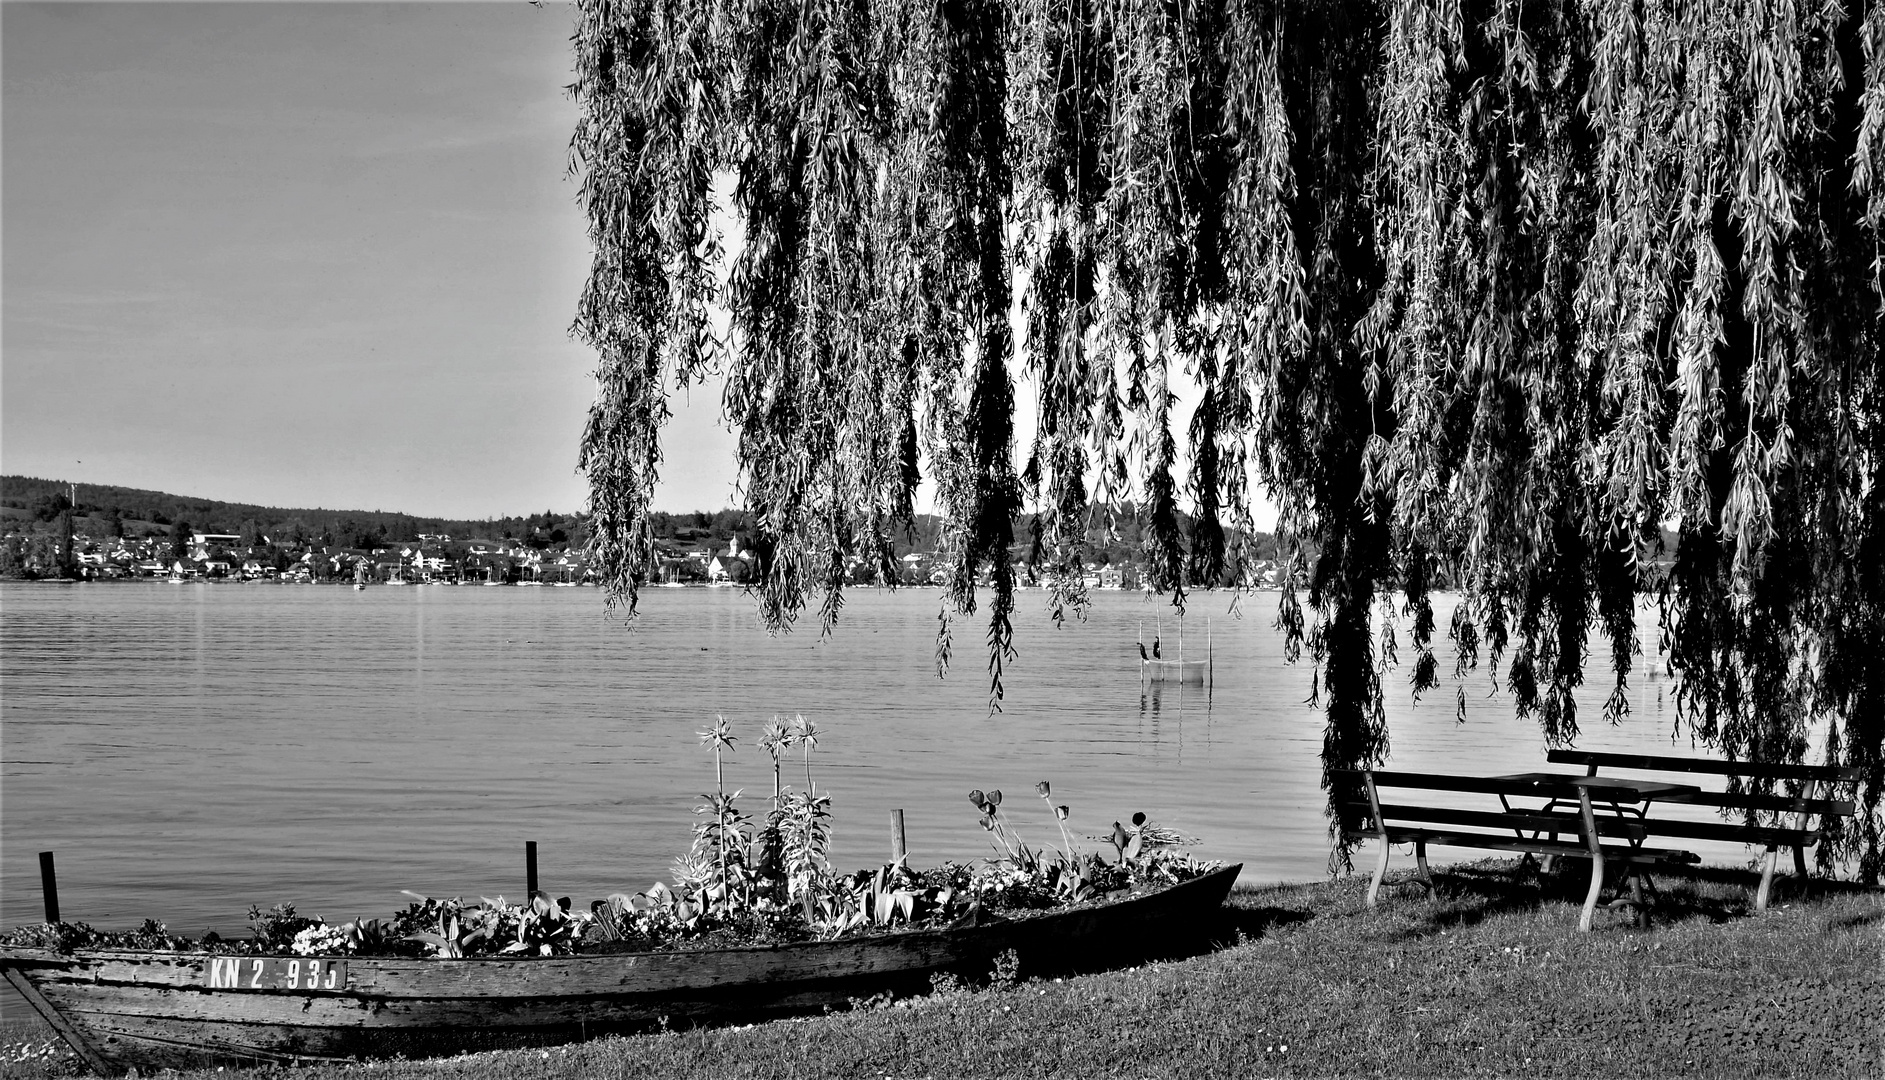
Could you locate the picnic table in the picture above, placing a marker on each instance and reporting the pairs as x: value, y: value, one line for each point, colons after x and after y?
x: 1604, y: 788
x: 1612, y: 838
x: 1811, y: 803
x: 1609, y: 815
x: 1621, y: 796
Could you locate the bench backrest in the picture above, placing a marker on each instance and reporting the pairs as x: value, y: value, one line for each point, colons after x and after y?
x: 1805, y: 802
x: 1831, y: 774
x: 1479, y: 785
x: 1567, y: 813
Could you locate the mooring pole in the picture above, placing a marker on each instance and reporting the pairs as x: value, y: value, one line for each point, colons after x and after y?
x: 530, y: 867
x: 898, y: 847
x: 49, y: 886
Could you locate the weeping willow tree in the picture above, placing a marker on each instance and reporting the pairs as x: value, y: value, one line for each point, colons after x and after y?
x: 1481, y: 294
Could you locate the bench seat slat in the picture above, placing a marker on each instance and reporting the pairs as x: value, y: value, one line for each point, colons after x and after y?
x: 1733, y: 832
x: 1400, y: 834
x: 1779, y: 804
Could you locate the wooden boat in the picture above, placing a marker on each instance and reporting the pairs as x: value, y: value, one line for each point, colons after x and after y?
x: 122, y: 1009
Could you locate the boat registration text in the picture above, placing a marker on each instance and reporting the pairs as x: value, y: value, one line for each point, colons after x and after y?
x: 274, y: 973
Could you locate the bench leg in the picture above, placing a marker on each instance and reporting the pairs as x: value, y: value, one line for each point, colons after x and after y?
x: 1590, y: 898
x: 1799, y: 850
x: 1640, y: 884
x: 1595, y: 844
x: 1767, y: 878
x: 1380, y: 873
x: 1420, y: 857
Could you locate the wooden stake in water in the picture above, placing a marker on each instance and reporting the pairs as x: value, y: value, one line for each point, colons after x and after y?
x: 530, y: 868
x: 1138, y: 637
x: 898, y: 848
x: 49, y: 886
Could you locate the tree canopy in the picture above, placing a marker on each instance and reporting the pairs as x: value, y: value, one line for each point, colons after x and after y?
x: 1477, y: 291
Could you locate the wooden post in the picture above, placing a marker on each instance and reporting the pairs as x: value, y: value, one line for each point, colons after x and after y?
x: 530, y: 868
x: 1138, y: 638
x: 49, y: 886
x: 898, y: 848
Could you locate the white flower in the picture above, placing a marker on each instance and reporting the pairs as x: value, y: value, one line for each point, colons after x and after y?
x: 319, y: 940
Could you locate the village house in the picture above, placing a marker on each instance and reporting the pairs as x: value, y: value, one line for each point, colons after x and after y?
x: 204, y: 545
x: 567, y: 568
x: 432, y: 562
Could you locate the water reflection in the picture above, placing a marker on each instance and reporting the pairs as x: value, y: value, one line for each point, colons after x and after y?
x: 1165, y: 708
x: 1157, y: 697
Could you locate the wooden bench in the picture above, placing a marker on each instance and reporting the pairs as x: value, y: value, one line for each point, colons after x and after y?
x: 1604, y: 838
x: 1814, y: 787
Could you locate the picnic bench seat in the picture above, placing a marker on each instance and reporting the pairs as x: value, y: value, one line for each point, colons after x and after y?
x: 1814, y: 788
x: 1605, y: 839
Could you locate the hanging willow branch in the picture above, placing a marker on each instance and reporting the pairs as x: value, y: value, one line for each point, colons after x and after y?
x: 1485, y: 294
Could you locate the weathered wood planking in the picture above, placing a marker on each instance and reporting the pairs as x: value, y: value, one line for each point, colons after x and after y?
x: 73, y: 1037
x: 127, y: 1008
x: 309, y: 1022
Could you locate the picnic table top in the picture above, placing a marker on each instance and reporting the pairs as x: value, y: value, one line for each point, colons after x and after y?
x: 1644, y: 790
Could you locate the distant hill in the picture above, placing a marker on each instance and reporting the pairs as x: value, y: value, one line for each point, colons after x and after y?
x: 30, y: 504
x: 27, y: 500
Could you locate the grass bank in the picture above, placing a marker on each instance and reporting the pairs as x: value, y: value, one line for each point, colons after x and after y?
x: 1486, y: 977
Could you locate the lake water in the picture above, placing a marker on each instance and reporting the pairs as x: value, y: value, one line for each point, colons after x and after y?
x: 188, y: 750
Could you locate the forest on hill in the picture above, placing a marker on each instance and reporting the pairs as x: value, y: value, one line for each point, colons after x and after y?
x: 32, y: 504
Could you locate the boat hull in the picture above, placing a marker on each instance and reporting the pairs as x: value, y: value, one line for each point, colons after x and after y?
x: 124, y: 1009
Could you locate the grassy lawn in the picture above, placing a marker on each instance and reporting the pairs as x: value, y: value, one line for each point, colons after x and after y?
x: 1488, y: 977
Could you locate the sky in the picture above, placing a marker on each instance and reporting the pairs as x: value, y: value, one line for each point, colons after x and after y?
x: 310, y: 254
x: 303, y: 254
